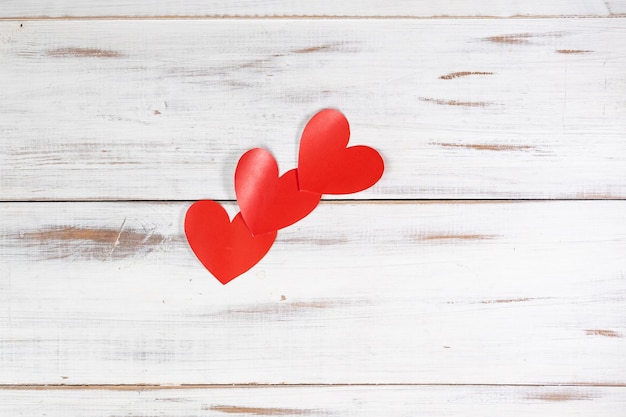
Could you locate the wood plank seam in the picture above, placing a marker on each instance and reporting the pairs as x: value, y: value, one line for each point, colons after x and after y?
x: 308, y: 17
x: 155, y: 387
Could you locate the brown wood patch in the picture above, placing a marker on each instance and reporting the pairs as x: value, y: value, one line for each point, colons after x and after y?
x: 487, y: 146
x: 459, y: 74
x: 572, y: 51
x: 88, y: 242
x: 568, y: 395
x: 519, y: 38
x: 259, y: 411
x: 84, y: 53
x: 602, y: 332
x: 313, y: 49
x: 505, y: 301
x: 452, y: 237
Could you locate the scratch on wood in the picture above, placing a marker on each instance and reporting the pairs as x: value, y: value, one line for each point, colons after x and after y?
x: 456, y: 102
x: 453, y: 237
x: 486, y: 147
x: 84, y: 53
x: 569, y: 395
x: 602, y: 332
x: 509, y: 300
x: 573, y: 51
x: 459, y: 74
x: 117, y: 241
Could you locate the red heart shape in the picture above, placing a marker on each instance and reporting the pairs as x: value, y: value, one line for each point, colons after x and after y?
x: 267, y: 202
x: 327, y: 166
x: 227, y: 249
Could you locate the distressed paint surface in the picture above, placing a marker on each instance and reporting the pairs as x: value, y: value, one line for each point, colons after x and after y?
x: 156, y: 101
x: 328, y: 8
x: 491, y: 293
x: 162, y: 110
x: 396, y: 401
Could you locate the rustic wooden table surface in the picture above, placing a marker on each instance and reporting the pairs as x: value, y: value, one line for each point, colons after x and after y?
x: 484, y: 275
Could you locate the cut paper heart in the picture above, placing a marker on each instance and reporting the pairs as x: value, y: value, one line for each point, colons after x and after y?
x: 327, y: 166
x: 269, y: 202
x: 227, y: 249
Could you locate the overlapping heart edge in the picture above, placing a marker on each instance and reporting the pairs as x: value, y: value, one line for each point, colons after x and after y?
x: 268, y: 203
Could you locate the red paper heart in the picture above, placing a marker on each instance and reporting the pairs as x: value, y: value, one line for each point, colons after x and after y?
x: 326, y: 166
x: 267, y: 202
x: 227, y: 249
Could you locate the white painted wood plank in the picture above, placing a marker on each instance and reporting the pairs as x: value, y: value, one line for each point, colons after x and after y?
x: 496, y: 293
x: 155, y: 110
x: 393, y: 8
x: 398, y: 401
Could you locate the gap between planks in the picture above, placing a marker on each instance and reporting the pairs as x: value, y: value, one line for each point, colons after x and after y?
x: 350, y: 201
x: 310, y: 17
x: 156, y: 387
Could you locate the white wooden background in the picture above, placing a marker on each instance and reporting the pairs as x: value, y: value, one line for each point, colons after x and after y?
x: 485, y: 275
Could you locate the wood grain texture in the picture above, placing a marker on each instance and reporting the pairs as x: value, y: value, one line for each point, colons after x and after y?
x: 397, y: 401
x: 255, y: 8
x: 389, y: 308
x: 452, y: 293
x: 162, y: 110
